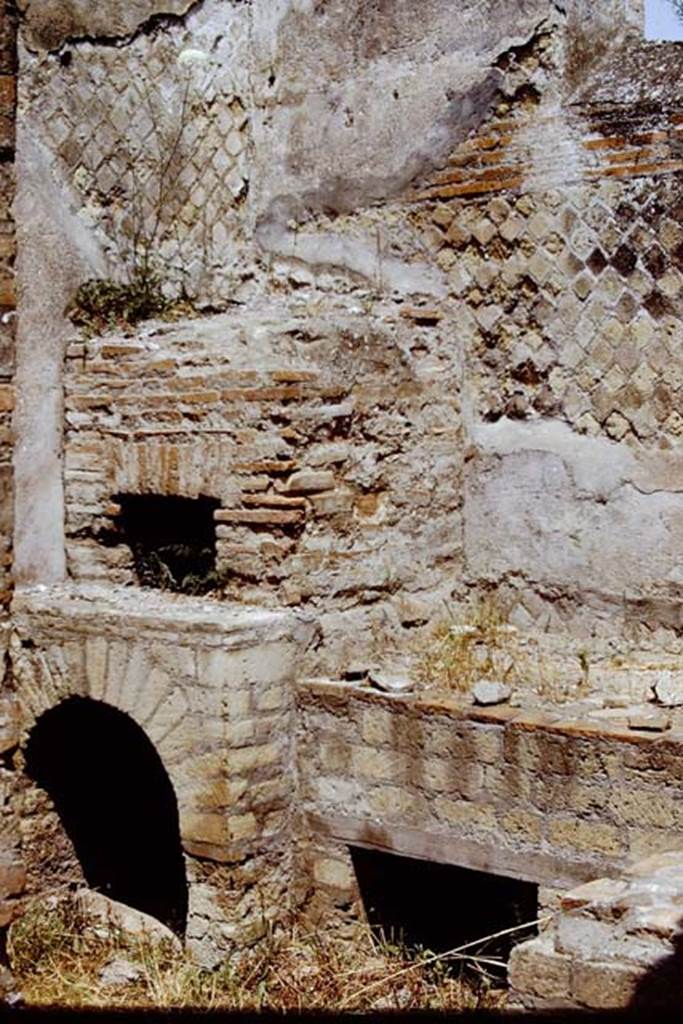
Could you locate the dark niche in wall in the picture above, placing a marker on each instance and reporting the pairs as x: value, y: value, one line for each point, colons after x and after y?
x: 424, y: 905
x: 116, y: 804
x: 173, y: 541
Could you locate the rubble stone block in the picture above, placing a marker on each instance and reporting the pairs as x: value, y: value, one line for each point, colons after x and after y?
x: 604, y: 986
x: 585, y: 937
x: 10, y: 724
x: 535, y: 968
x: 593, y: 836
x: 334, y: 873
x: 12, y: 877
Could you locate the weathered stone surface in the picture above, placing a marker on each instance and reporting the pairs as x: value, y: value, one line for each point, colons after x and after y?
x: 470, y: 231
x: 604, y: 986
x: 49, y: 24
x: 210, y: 685
x: 310, y: 482
x: 449, y: 249
x: 10, y: 723
x: 354, y: 543
x: 55, y: 254
x: 649, y: 720
x: 119, y: 972
x: 455, y: 782
x: 360, y: 149
x: 12, y: 875
x: 668, y: 690
x: 9, y: 991
x: 110, y: 917
x: 617, y: 939
x: 542, y: 473
x: 488, y: 692
x: 536, y: 969
x: 391, y: 683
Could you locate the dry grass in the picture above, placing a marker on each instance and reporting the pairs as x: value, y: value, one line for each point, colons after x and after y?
x: 479, y: 643
x: 57, y: 959
x: 476, y: 644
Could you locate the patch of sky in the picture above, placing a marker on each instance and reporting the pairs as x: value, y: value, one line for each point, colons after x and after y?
x: 664, y: 20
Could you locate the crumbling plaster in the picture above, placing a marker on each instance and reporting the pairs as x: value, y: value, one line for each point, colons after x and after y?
x: 332, y: 146
x: 578, y: 513
x: 366, y: 157
x: 54, y: 250
x: 49, y: 24
x: 473, y: 215
x: 334, y: 134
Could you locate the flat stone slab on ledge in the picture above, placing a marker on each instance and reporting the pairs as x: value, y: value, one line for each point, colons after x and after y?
x: 585, y: 717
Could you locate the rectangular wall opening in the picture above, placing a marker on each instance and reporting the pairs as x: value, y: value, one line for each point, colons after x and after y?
x: 172, y: 539
x: 424, y: 905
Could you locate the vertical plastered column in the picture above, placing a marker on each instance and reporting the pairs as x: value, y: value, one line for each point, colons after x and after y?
x: 55, y: 255
x: 7, y: 288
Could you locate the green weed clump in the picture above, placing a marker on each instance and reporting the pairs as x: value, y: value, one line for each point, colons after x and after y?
x: 181, y: 568
x: 104, y: 305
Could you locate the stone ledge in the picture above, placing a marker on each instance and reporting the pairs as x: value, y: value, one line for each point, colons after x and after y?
x: 88, y: 608
x: 557, y: 720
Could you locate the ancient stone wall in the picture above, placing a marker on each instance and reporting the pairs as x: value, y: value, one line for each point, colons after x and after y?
x: 212, y: 690
x: 331, y: 439
x: 615, y: 943
x: 7, y: 286
x: 12, y: 871
x: 521, y: 197
x: 432, y: 263
x: 553, y: 798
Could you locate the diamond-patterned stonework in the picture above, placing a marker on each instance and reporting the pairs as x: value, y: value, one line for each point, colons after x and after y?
x: 152, y: 136
x: 571, y: 303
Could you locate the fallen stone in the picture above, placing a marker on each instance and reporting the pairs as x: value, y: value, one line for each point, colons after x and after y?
x: 120, y: 972
x: 487, y: 693
x: 113, y: 917
x: 391, y: 683
x: 668, y: 690
x: 649, y: 720
x: 9, y: 992
x: 356, y: 673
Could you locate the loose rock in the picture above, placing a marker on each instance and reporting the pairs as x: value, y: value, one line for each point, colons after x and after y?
x: 487, y: 693
x: 111, y: 916
x: 10, y: 725
x: 391, y: 683
x: 9, y: 993
x: 120, y: 972
x: 649, y: 720
x: 308, y: 481
x: 668, y: 690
